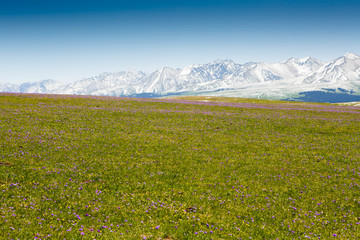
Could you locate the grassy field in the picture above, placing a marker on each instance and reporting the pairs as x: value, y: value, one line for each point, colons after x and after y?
x: 192, y: 168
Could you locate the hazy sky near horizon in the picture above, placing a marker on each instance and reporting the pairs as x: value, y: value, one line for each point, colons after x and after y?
x: 67, y: 40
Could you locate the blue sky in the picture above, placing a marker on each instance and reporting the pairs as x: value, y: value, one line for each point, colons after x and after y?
x: 68, y: 40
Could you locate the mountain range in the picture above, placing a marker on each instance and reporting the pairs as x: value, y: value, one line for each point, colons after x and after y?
x: 306, y: 79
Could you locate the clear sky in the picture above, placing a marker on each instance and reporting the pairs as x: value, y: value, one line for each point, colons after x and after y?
x: 67, y: 40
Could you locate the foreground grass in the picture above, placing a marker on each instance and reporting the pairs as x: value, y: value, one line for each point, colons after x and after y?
x: 115, y: 168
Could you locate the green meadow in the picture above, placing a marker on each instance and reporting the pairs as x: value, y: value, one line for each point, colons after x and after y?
x: 85, y: 167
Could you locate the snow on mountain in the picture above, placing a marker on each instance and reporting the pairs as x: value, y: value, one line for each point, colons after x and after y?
x: 9, y: 87
x: 162, y: 80
x: 120, y: 83
x: 220, y: 77
x: 206, y: 73
x: 352, y: 56
x: 342, y: 69
x: 44, y: 86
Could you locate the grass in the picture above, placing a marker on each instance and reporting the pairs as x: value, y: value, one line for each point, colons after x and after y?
x: 119, y: 168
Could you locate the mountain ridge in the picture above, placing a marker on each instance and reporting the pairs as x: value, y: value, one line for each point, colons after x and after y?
x: 281, y: 80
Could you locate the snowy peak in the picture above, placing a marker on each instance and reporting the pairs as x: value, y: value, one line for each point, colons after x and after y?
x: 310, y: 61
x: 350, y: 55
x: 164, y: 79
x: 307, y: 61
x: 222, y: 62
x: 295, y: 68
x: 342, y: 69
x: 216, y: 70
x: 166, y: 70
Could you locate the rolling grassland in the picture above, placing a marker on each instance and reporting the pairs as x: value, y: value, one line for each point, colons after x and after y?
x: 85, y: 167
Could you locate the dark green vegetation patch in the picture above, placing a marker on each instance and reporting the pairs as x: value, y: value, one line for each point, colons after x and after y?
x: 117, y: 168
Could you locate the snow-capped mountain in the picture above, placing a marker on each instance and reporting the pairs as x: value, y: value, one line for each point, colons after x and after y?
x: 345, y: 68
x: 222, y: 77
x: 163, y: 80
x: 115, y: 84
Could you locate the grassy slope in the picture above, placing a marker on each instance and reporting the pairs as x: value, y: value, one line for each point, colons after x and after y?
x: 110, y: 168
